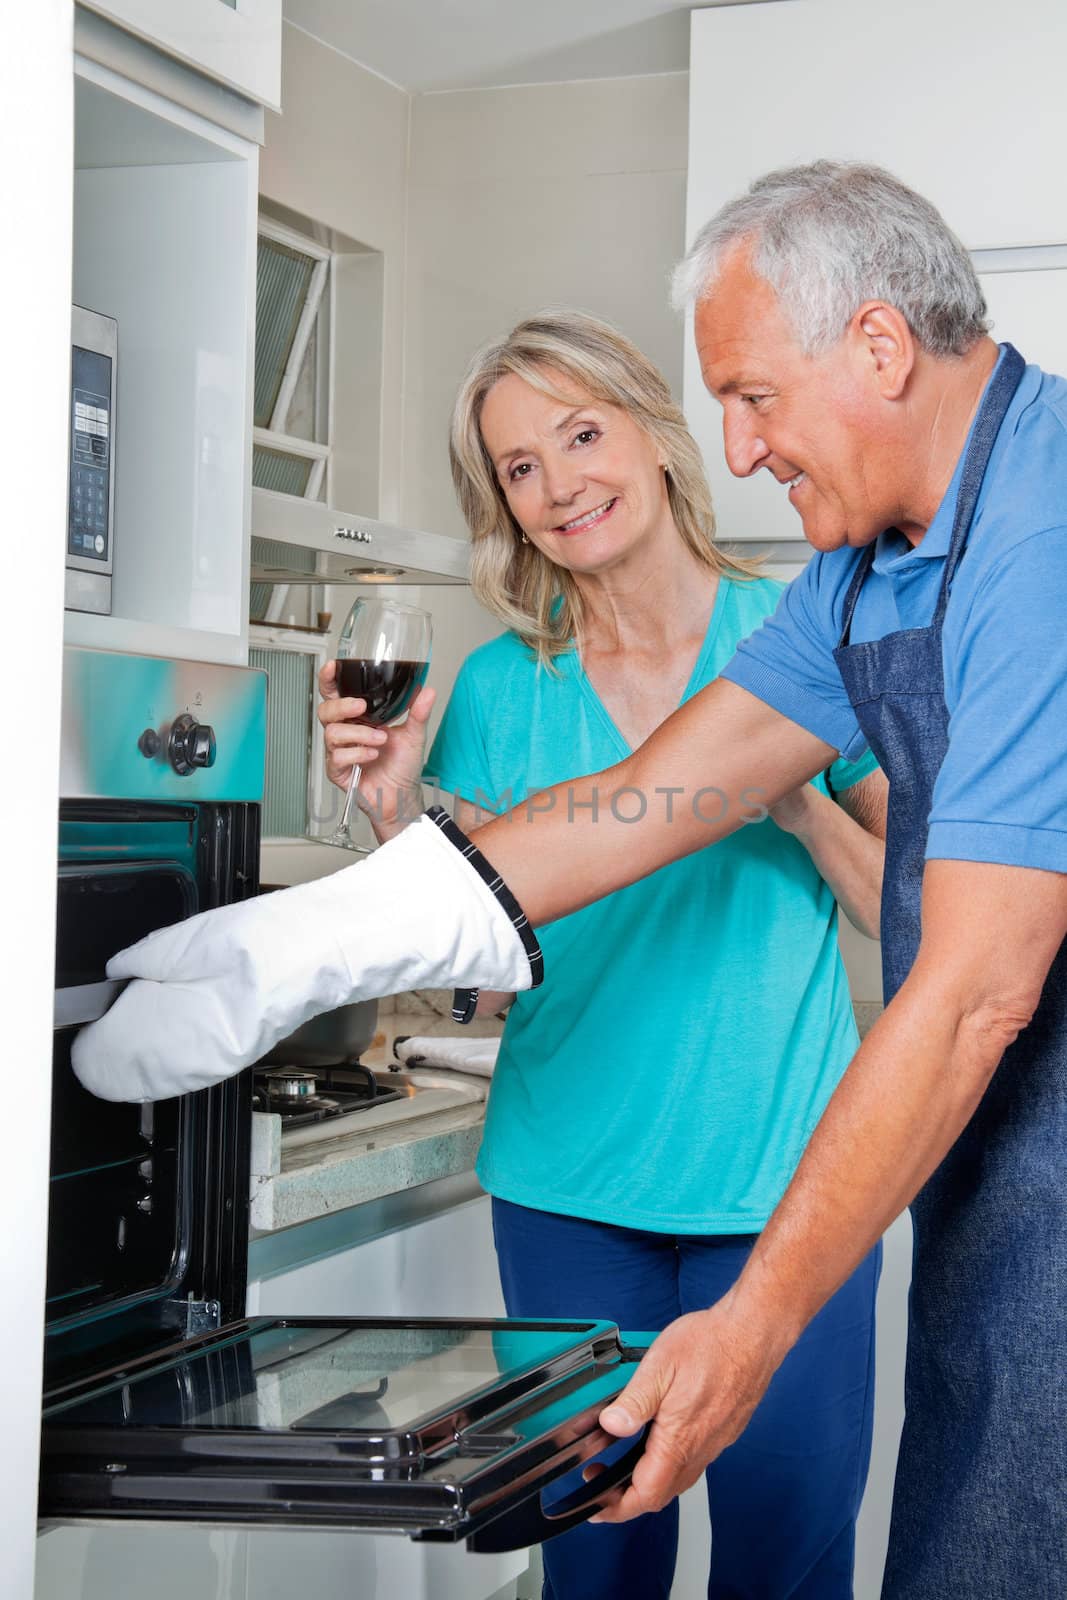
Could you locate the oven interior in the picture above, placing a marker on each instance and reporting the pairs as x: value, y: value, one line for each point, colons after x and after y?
x: 148, y: 1214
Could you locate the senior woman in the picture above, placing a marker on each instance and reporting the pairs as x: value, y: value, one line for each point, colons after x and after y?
x: 652, y: 1099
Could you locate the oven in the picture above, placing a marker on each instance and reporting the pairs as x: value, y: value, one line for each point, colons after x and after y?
x: 162, y: 1400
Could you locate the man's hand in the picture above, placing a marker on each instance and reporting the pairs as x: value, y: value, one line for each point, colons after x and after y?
x: 701, y: 1381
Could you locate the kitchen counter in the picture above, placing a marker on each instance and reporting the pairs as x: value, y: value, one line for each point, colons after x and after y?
x: 331, y: 1175
x: 328, y: 1176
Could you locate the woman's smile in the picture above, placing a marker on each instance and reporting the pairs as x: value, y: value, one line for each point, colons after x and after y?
x: 588, y: 519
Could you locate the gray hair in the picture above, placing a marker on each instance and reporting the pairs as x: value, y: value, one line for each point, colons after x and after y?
x: 829, y: 236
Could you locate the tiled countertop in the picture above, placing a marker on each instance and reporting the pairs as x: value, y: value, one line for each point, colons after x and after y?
x: 330, y: 1176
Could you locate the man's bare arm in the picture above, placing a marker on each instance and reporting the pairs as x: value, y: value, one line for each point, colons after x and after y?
x: 990, y: 934
x: 721, y: 759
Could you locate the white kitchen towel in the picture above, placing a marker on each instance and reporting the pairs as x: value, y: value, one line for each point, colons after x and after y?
x: 476, y: 1056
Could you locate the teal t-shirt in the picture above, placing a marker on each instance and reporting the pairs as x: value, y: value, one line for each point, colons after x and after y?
x: 691, y: 1027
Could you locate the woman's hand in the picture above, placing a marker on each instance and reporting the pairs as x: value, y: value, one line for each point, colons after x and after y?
x: 846, y: 840
x: 390, y: 788
x: 794, y: 809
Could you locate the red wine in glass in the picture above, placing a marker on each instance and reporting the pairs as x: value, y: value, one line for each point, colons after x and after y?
x: 388, y: 687
x: 383, y: 656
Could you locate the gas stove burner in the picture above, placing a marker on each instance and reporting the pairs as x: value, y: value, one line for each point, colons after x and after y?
x: 283, y: 1084
x: 294, y: 1094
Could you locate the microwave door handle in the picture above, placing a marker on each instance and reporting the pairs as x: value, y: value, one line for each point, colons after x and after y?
x: 529, y: 1523
x: 85, y: 1002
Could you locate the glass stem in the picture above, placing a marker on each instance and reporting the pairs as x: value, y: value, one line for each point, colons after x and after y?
x: 353, y: 785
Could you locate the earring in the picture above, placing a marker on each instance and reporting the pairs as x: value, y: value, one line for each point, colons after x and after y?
x: 524, y: 539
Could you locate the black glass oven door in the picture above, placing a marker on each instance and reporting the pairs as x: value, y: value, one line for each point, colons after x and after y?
x: 437, y: 1429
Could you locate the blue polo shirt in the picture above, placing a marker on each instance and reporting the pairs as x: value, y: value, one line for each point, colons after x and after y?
x: 1001, y: 795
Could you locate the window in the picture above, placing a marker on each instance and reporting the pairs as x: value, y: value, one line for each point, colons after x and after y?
x: 291, y: 436
x: 297, y: 792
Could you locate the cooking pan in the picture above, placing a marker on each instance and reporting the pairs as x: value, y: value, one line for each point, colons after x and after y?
x: 325, y: 1040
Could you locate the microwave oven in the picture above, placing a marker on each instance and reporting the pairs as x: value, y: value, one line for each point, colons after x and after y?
x: 91, y: 487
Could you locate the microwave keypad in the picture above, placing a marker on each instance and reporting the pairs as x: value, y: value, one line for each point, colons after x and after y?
x: 88, y: 533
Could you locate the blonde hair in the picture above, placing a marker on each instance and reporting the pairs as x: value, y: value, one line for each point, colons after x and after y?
x: 537, y: 599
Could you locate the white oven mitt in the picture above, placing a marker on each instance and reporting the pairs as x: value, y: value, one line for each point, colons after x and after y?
x: 214, y: 993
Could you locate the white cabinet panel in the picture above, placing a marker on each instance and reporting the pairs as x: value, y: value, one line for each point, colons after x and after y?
x: 116, y: 1562
x: 239, y: 42
x: 934, y: 93
x: 442, y: 1266
x: 962, y: 99
x: 359, y: 1566
x: 1029, y: 310
x: 753, y: 508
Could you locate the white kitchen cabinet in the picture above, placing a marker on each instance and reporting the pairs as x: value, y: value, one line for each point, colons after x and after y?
x: 110, y: 1561
x: 955, y: 100
x: 1027, y: 302
x: 165, y: 205
x: 440, y: 1263
x: 113, y: 1562
x: 238, y: 42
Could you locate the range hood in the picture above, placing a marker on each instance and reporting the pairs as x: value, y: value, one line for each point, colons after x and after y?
x: 298, y: 541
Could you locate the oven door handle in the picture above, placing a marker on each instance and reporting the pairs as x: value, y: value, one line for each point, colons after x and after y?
x: 85, y: 1002
x: 530, y: 1523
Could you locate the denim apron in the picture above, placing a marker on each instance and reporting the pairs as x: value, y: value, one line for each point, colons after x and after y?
x: 980, y: 1501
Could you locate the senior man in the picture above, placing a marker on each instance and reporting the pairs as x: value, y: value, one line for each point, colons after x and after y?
x: 841, y: 326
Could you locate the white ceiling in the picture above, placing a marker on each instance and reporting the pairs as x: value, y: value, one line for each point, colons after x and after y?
x: 460, y: 44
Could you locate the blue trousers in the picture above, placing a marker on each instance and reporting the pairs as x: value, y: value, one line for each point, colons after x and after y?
x: 785, y: 1496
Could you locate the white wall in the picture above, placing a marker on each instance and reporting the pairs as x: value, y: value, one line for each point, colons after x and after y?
x: 36, y: 115
x: 567, y: 194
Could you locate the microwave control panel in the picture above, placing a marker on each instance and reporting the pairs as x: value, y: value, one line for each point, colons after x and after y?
x: 88, y: 530
x: 91, y: 498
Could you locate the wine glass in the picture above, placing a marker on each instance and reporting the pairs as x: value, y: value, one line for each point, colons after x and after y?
x: 382, y: 657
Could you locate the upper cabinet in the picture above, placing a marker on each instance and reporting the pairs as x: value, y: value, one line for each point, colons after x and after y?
x: 962, y: 100
x: 164, y: 244
x: 237, y: 42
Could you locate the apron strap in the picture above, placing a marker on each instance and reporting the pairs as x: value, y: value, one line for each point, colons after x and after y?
x: 987, y: 424
x: 863, y: 566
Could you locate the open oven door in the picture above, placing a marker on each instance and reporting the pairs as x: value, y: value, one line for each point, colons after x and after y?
x: 440, y: 1430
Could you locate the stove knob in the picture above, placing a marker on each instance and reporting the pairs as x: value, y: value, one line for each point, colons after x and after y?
x: 191, y: 745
